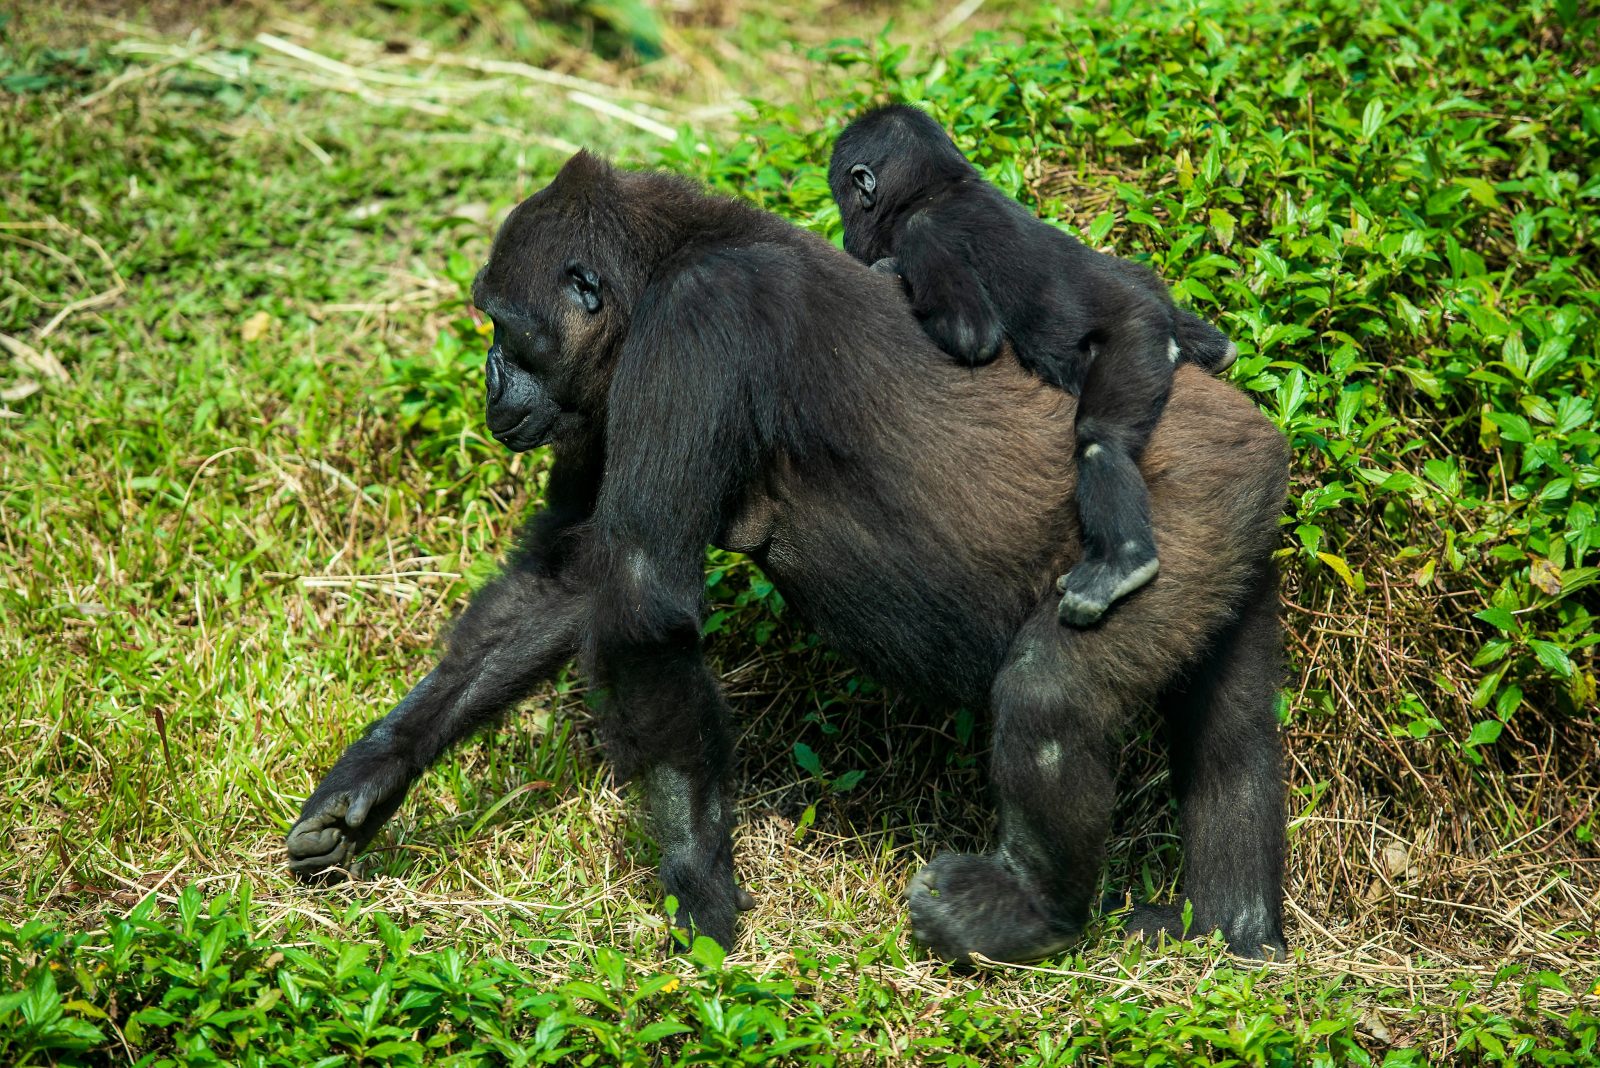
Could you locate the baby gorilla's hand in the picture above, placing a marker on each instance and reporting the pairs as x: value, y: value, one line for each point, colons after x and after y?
x: 966, y: 326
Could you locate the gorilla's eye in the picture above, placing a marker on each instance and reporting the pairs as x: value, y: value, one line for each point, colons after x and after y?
x: 866, y: 183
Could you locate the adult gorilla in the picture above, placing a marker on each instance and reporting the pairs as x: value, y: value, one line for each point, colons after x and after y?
x: 708, y: 373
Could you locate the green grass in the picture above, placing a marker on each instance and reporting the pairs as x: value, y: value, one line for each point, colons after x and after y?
x: 244, y: 485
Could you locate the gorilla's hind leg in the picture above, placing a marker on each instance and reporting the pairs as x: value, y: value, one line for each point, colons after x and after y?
x: 1052, y: 774
x: 1227, y: 771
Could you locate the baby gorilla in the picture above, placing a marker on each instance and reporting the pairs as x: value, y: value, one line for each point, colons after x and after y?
x: 979, y: 269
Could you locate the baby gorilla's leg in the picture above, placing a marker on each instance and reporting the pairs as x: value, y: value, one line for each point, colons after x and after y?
x: 1119, y: 545
x: 1123, y: 395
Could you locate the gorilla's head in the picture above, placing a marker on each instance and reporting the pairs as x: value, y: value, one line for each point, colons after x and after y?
x: 553, y: 288
x: 882, y: 163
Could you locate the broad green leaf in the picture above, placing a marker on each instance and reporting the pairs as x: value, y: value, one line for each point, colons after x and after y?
x: 1371, y: 118
x: 1101, y: 227
x: 807, y: 758
x: 1223, y: 222
x: 1498, y: 617
x: 847, y: 781
x: 1552, y: 656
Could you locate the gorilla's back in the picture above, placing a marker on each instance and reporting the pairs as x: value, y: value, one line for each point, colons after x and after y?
x: 973, y: 469
x: 916, y: 512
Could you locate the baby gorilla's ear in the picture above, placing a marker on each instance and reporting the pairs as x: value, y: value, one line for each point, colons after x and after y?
x: 866, y: 184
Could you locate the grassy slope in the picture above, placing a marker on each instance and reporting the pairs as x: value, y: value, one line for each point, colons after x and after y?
x: 251, y: 488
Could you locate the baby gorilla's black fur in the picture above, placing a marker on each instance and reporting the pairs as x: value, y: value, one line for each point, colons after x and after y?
x: 980, y: 269
x: 705, y: 372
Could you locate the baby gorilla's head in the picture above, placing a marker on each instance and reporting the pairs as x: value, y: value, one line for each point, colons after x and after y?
x: 884, y: 161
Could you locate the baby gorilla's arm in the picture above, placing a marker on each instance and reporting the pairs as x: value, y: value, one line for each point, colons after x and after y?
x: 947, y: 297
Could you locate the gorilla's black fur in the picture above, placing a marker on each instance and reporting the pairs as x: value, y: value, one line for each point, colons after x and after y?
x: 707, y: 373
x: 980, y: 270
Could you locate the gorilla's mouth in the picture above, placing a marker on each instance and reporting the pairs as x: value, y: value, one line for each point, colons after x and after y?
x: 531, y: 431
x: 538, y: 428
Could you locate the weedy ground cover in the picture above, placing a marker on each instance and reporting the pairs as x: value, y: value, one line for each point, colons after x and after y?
x: 244, y: 483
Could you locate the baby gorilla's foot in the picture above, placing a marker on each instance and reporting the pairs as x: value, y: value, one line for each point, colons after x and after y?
x: 343, y: 815
x: 1230, y: 353
x: 1151, y: 922
x: 1093, y: 584
x: 964, y: 903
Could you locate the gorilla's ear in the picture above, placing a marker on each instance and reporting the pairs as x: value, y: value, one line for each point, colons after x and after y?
x: 866, y: 184
x: 582, y: 285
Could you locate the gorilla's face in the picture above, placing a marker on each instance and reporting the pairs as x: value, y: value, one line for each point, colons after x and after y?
x: 522, y: 409
x: 554, y: 323
x: 532, y: 397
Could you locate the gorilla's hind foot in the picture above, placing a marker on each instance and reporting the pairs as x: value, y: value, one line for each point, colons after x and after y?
x: 1151, y: 922
x: 964, y: 903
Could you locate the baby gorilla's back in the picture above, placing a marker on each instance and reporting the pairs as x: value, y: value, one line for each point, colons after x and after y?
x: 979, y: 270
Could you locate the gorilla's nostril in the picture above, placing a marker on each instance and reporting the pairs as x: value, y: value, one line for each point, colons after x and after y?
x: 495, y: 378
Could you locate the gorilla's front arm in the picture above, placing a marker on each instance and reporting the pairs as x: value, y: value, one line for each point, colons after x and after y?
x: 679, y: 445
x: 666, y: 723
x: 518, y: 631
